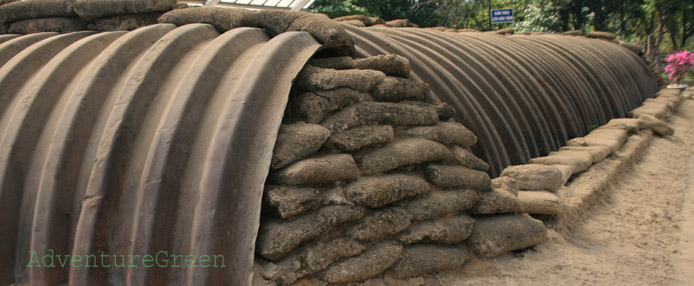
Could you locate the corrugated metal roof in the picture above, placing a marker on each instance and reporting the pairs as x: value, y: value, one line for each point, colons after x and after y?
x: 523, y: 96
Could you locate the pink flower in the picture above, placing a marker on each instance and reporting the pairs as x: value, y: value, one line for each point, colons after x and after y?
x: 678, y: 64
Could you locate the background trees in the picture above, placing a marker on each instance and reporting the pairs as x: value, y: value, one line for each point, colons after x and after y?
x: 667, y: 24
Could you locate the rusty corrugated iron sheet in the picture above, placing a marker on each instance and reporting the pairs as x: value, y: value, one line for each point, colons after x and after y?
x: 131, y: 143
x: 523, y: 96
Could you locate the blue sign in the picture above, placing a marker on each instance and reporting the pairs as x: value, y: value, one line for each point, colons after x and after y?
x: 502, y: 16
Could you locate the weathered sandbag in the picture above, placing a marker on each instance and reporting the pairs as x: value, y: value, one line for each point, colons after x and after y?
x: 598, y: 153
x: 506, y: 184
x: 381, y: 190
x: 425, y: 258
x: 457, y: 177
x: 535, y: 176
x: 441, y: 203
x: 60, y: 25
x: 93, y: 9
x: 566, y: 172
x: 362, y: 18
x: 658, y: 110
x: 392, y: 65
x: 612, y: 138
x: 663, y: 100
x: 314, y: 79
x: 658, y: 126
x: 447, y: 230
x: 584, y: 155
x: 399, y: 23
x: 327, y: 32
x: 365, y: 113
x: 374, y: 21
x: 372, y: 262
x: 540, y: 202
x: 674, y: 99
x: 355, y: 23
x: 311, y: 258
x: 601, y: 35
x: 402, y: 152
x: 277, y: 238
x: 223, y: 19
x: 361, y: 137
x: 124, y: 22
x: 291, y: 201
x: 469, y: 160
x: 297, y: 141
x: 317, y: 170
x: 633, y: 125
x: 380, y: 224
x: 445, y: 133
x: 498, y: 201
x: 444, y: 110
x: 396, y: 89
x: 504, y: 31
x: 338, y: 63
x: 36, y: 9
x: 313, y: 107
x: 580, y: 162
x: 494, y: 235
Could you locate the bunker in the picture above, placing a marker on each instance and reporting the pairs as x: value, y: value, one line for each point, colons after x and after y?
x: 295, y: 147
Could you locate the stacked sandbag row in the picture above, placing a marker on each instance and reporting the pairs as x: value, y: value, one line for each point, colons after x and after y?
x: 64, y: 16
x: 366, y: 21
x: 654, y: 111
x: 540, y: 179
x: 368, y: 179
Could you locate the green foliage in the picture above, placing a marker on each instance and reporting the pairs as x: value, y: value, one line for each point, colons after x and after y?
x: 338, y: 8
x: 671, y: 21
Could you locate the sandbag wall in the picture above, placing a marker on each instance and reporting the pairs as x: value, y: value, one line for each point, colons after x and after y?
x: 523, y: 95
x: 64, y: 16
x: 368, y: 179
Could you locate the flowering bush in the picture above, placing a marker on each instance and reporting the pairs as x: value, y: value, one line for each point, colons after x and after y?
x: 679, y: 64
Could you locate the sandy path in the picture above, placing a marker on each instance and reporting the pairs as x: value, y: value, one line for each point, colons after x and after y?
x: 642, y: 234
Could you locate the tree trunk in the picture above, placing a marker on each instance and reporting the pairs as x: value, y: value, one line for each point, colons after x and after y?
x: 489, y: 13
x: 650, y: 48
x: 623, y: 21
x: 685, y: 32
x: 660, y: 32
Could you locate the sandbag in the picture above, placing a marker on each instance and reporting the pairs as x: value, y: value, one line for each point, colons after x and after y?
x: 124, y: 22
x: 93, y: 9
x: 35, y: 9
x: 60, y: 25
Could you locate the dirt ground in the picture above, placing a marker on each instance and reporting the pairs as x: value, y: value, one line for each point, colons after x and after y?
x: 641, y: 234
